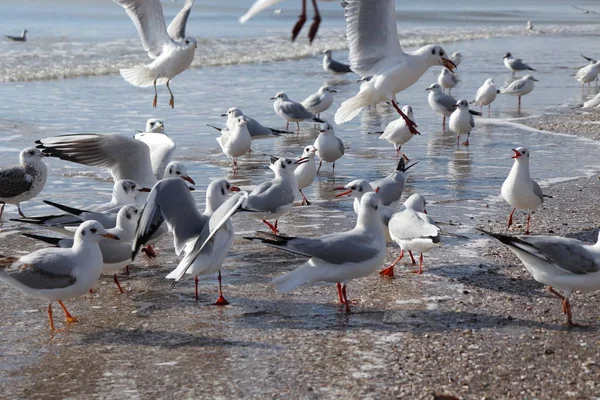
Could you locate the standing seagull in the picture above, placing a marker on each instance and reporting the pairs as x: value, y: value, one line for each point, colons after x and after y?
x: 588, y: 74
x: 292, y: 111
x: 22, y: 38
x: 306, y: 173
x: 520, y: 87
x: 255, y: 128
x: 375, y: 50
x: 441, y: 102
x: 397, y: 132
x: 461, y: 120
x: 56, y: 274
x: 337, y: 257
x: 519, y: 190
x: 170, y: 57
x: 515, y: 64
x: 334, y: 67
x: 563, y: 263
x: 330, y: 148
x: 236, y: 142
x: 23, y: 182
x: 456, y: 58
x: 486, y: 94
x: 319, y: 102
x: 447, y: 79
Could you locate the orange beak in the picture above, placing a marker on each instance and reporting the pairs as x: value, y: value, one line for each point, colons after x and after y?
x: 425, y: 211
x: 517, y: 154
x: 188, y: 179
x: 448, y: 64
x: 110, y: 236
x: 145, y: 190
x: 345, y: 193
x: 234, y: 189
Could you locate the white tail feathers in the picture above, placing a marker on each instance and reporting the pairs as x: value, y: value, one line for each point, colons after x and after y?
x: 354, y: 105
x: 298, y: 277
x: 141, y: 76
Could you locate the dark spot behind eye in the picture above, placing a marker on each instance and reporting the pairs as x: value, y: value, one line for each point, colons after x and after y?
x: 352, y: 187
x: 289, y: 162
x: 178, y: 173
x: 360, y: 189
x: 93, y: 230
x: 441, y: 53
x: 433, y: 51
x: 82, y: 233
x: 128, y: 215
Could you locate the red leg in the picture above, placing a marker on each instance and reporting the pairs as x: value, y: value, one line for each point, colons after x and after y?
x: 346, y: 301
x: 52, y: 328
x: 320, y: 163
x: 273, y: 228
x: 117, y: 283
x: 568, y: 311
x: 510, y: 217
x: 410, y: 123
x: 304, y: 199
x: 316, y: 22
x: 149, y: 251
x: 466, y: 143
x: 389, y: 271
x: 196, y: 284
x: 127, y: 270
x: 412, y: 258
x: 340, y: 294
x: 221, y: 300
x: 398, y: 152
x: 528, y: 223
x: 300, y: 23
x: 420, y: 270
x: 405, y: 158
x: 68, y: 317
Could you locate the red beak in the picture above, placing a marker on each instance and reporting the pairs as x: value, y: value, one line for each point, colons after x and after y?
x: 377, y: 190
x: 347, y: 192
x: 146, y: 190
x: 425, y: 211
x: 234, y: 189
x: 448, y: 64
x: 517, y: 154
x: 188, y: 179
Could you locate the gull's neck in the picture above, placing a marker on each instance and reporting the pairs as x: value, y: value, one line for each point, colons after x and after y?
x: 369, y: 221
x: 520, y: 169
x: 212, y: 203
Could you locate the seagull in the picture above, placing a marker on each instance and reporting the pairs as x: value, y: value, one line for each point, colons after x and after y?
x: 332, y: 66
x: 336, y: 257
x: 292, y: 111
x: 456, y: 58
x: 260, y: 5
x: 176, y: 29
x: 591, y: 61
x: 22, y: 38
x: 319, y: 102
x: 447, y: 79
x: 461, y: 120
x: 440, y: 102
x: 161, y: 146
x: 171, y: 202
x: 124, y: 157
x: 592, y: 103
x: 486, y: 94
x: 330, y: 148
x: 116, y: 255
x: 529, y: 26
x: 176, y: 169
x: 519, y: 190
x: 588, y: 74
x: 170, y: 57
x: 272, y: 199
x: 558, y: 262
x: 56, y: 274
x: 124, y: 192
x: 520, y: 87
x: 23, y: 182
x: 397, y: 132
x: 413, y: 230
x: 375, y: 50
x: 306, y: 172
x: 235, y: 142
x: 255, y: 128
x: 390, y: 188
x: 515, y: 64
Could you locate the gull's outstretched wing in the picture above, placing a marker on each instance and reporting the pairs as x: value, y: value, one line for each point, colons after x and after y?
x: 148, y: 18
x: 176, y: 29
x: 372, y: 35
x: 257, y: 7
x: 125, y: 157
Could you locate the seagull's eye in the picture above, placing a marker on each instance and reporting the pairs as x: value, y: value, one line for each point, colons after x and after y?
x: 352, y: 187
x: 178, y: 172
x: 288, y: 161
x: 441, y: 53
x: 433, y: 52
x: 375, y: 206
x: 152, y: 123
x: 31, y: 152
x: 360, y: 189
x: 93, y: 230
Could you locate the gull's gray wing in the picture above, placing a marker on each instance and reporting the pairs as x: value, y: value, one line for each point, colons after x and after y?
x: 538, y: 191
x: 148, y: 18
x: 44, y: 269
x: 472, y: 121
x: 125, y: 157
x: 256, y: 128
x: 176, y: 29
x: 519, y: 65
x: 408, y: 224
x: 14, y: 181
x: 338, y: 66
x: 372, y: 35
x: 169, y: 201
x: 446, y: 101
x: 268, y: 197
x: 514, y: 86
x: 335, y: 248
x: 312, y: 101
x: 340, y: 145
x: 295, y: 110
x: 390, y: 188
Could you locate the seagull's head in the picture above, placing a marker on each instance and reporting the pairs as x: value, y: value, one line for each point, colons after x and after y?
x: 437, y: 56
x: 324, y: 89
x: 327, y: 52
x: 190, y: 42
x: 155, y: 125
x: 490, y: 82
x: 283, y: 166
x: 462, y: 104
x: 217, y: 192
x: 31, y: 155
x: 128, y: 217
x: 175, y: 169
x: 126, y: 190
x: 435, y: 88
x: 309, y: 151
x: 280, y: 96
x: 408, y: 110
x: 507, y: 55
x: 520, y: 153
x: 233, y: 112
x: 369, y: 205
x: 456, y: 56
x: 326, y: 128
x: 241, y: 121
x: 356, y: 188
x: 417, y: 203
x: 92, y: 231
x: 530, y: 78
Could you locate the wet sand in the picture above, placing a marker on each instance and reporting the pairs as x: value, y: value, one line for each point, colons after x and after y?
x: 474, y: 325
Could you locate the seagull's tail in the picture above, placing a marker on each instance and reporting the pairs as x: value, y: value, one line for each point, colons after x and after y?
x: 354, y: 105
x: 298, y: 277
x: 140, y: 76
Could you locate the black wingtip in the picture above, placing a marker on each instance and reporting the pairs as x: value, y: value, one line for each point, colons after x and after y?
x: 472, y: 112
x: 64, y: 208
x: 212, y: 126
x: 319, y: 120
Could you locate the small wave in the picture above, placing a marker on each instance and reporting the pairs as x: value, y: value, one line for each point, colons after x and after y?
x: 61, y: 59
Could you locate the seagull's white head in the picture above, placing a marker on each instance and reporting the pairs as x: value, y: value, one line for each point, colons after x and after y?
x: 463, y: 104
x: 327, y: 53
x: 326, y: 129
x: 416, y: 202
x: 233, y: 112
x: 435, y: 88
x: 529, y: 78
x: 408, y: 110
x: 31, y: 155
x: 241, y: 121
x: 189, y: 42
x: 437, y: 56
x: 217, y: 192
x: 356, y: 188
x: 324, y: 89
x: 128, y: 217
x: 280, y: 96
x: 125, y: 191
x: 369, y: 203
x: 520, y: 154
x: 309, y: 151
x: 155, y: 125
x: 285, y: 166
x: 490, y: 82
x: 456, y: 56
x: 175, y: 169
x: 92, y: 231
